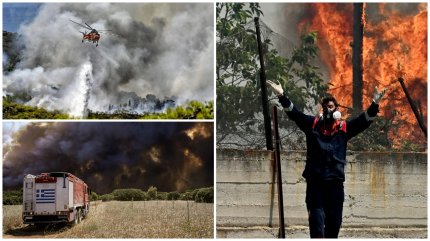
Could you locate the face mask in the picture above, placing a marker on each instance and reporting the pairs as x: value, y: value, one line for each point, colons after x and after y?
x: 337, y: 115
x: 330, y: 115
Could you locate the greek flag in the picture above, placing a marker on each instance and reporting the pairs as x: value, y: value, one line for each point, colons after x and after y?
x: 45, y: 195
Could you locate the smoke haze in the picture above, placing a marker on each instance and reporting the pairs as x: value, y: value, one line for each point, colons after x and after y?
x: 160, y: 49
x: 107, y: 156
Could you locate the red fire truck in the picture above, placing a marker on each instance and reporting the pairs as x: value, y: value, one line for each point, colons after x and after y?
x: 54, y: 197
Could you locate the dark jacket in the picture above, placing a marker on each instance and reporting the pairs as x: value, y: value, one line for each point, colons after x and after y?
x: 326, y: 155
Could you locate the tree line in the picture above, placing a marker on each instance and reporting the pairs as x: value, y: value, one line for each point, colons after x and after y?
x: 201, y: 195
x: 193, y: 110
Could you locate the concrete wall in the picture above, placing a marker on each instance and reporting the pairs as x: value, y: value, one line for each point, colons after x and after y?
x: 381, y: 189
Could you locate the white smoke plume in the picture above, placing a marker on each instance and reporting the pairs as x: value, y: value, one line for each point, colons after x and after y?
x: 160, y: 49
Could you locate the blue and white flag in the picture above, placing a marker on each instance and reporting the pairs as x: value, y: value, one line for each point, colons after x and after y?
x: 45, y: 195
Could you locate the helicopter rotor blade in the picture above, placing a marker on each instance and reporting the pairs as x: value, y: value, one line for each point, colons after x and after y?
x: 80, y: 24
x: 112, y: 34
x: 91, y: 28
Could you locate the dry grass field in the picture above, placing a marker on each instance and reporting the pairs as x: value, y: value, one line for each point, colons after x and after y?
x: 143, y: 219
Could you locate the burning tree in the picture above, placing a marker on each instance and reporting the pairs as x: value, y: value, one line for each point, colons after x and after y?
x: 394, y: 45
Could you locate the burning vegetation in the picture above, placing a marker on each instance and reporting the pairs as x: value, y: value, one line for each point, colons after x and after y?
x: 394, y: 46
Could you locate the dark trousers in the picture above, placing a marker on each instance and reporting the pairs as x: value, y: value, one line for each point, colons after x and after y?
x: 324, y: 201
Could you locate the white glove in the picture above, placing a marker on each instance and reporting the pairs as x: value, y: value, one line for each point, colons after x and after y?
x: 377, y: 96
x: 277, y: 88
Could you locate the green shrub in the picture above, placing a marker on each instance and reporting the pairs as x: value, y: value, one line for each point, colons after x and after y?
x: 188, y: 195
x: 162, y: 195
x: 13, y: 110
x: 12, y: 197
x: 106, y: 197
x: 94, y: 196
x: 152, y: 193
x: 128, y: 194
x: 173, y: 196
x: 204, y: 195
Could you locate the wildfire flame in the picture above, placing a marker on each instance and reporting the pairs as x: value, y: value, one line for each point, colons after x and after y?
x: 394, y: 45
x: 154, y: 153
x: 199, y: 129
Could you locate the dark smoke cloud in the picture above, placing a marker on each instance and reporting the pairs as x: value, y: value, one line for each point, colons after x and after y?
x: 373, y: 10
x: 170, y: 156
x: 159, y: 48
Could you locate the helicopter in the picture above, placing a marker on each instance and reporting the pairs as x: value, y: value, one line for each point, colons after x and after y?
x: 93, y: 35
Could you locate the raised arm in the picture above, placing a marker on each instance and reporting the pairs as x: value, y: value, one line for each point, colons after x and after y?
x: 303, y: 121
x: 363, y: 121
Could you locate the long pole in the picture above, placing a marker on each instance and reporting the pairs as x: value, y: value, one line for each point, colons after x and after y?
x: 278, y: 172
x: 414, y: 108
x: 267, y: 129
x: 357, y: 58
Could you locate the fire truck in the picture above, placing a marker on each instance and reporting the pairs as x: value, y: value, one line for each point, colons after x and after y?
x: 56, y: 197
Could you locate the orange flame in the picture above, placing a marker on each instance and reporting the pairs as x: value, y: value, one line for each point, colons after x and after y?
x: 395, y: 45
x: 199, y: 129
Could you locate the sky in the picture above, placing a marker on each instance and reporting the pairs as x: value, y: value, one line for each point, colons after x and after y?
x: 10, y: 128
x: 112, y: 155
x: 15, y: 14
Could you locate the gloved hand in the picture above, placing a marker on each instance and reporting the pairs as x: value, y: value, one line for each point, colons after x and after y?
x: 377, y: 96
x: 277, y: 88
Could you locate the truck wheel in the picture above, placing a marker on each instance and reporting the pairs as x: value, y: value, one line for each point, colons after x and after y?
x: 76, y: 221
x: 80, y: 215
x: 84, y: 213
